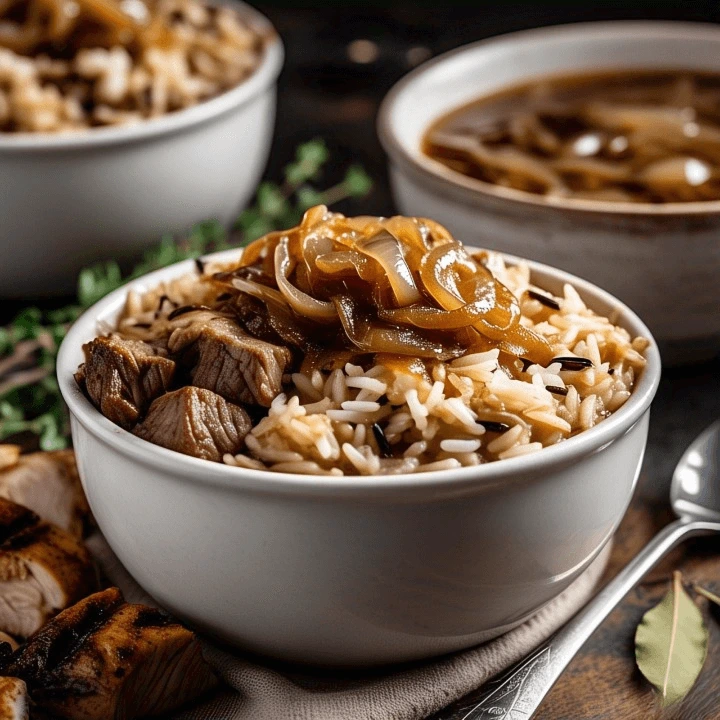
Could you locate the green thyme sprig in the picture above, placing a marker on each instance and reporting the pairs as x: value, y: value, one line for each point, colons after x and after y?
x: 30, y: 400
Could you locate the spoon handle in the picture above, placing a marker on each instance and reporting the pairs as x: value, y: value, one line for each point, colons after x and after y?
x: 519, y: 693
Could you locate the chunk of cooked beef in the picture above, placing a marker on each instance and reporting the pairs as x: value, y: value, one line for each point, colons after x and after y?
x: 122, y: 377
x: 230, y: 362
x: 48, y: 484
x: 43, y: 569
x: 14, y: 703
x: 104, y: 658
x: 196, y: 422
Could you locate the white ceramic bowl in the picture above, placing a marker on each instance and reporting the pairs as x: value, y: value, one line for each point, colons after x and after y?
x: 662, y: 260
x: 356, y: 570
x: 69, y: 200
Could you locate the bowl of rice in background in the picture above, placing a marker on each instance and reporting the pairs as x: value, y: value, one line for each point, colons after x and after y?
x: 105, y: 148
x: 328, y: 561
x: 662, y: 259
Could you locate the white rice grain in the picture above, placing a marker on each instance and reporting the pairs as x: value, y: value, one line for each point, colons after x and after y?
x: 321, y: 406
x: 418, y: 411
x: 353, y: 370
x: 360, y: 435
x: 367, y: 383
x: 360, y: 406
x: 518, y: 450
x: 593, y: 350
x: 586, y: 414
x: 489, y: 357
x: 506, y: 440
x: 416, y: 449
x: 448, y: 464
x: 303, y: 384
x: 459, y: 446
x: 361, y: 463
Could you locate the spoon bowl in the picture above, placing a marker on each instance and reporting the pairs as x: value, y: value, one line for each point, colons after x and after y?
x: 695, y: 490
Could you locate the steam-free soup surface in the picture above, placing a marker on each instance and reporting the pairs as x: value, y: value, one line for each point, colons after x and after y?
x: 648, y: 137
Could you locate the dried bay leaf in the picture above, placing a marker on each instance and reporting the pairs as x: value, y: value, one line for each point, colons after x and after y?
x: 671, y: 644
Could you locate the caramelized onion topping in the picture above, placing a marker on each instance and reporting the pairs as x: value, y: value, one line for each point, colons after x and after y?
x: 401, y: 286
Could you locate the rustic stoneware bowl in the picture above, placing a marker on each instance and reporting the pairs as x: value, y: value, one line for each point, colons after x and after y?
x: 69, y: 200
x: 357, y: 570
x: 662, y: 260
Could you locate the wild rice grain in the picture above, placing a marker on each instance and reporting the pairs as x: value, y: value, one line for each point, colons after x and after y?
x: 545, y: 300
x: 382, y: 441
x: 573, y: 363
x: 494, y: 427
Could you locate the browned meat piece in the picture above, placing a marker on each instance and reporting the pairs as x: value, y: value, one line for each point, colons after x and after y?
x: 48, y: 484
x: 14, y: 703
x: 230, y: 362
x: 43, y: 569
x: 9, y: 455
x: 122, y: 377
x: 196, y: 422
x: 105, y: 659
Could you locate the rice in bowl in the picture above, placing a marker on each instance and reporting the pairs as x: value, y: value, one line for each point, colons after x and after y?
x: 397, y: 381
x: 69, y: 65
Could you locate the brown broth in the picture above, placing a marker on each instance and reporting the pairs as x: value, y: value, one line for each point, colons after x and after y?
x: 627, y: 136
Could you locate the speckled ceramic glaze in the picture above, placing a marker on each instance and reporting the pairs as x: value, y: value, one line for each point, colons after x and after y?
x: 357, y: 570
x: 663, y: 261
x: 69, y: 200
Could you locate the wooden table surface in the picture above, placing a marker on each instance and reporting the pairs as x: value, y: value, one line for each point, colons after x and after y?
x: 322, y: 94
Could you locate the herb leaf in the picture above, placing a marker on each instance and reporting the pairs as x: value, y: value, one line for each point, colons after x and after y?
x: 309, y: 160
x: 357, y: 182
x: 671, y: 644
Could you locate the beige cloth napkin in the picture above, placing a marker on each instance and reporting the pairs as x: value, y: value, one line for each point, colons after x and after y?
x: 255, y: 692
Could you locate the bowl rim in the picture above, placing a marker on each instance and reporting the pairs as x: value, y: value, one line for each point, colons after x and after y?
x: 473, y: 191
x: 262, y: 77
x: 267, y: 482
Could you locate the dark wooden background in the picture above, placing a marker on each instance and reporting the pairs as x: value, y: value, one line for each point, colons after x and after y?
x: 324, y: 94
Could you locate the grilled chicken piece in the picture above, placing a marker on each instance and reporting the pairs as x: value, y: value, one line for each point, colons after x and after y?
x: 230, y: 362
x: 122, y: 377
x: 9, y: 456
x: 14, y: 703
x: 105, y: 659
x: 48, y: 484
x: 43, y: 569
x: 196, y: 422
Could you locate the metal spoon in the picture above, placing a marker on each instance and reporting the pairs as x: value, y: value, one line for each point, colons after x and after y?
x: 695, y: 499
